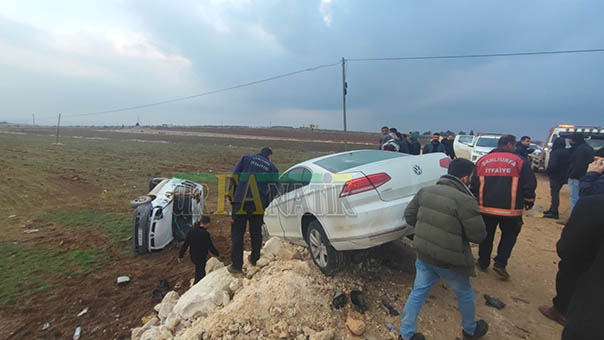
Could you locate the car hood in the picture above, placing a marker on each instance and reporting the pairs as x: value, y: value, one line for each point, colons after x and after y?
x: 483, y: 149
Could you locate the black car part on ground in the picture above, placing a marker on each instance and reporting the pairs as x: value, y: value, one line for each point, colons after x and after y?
x: 141, y: 224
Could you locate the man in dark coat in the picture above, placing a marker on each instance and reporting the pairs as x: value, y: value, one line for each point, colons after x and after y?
x: 581, y: 154
x: 404, y: 144
x: 414, y: 146
x: 593, y: 182
x: 557, y: 170
x: 199, y: 243
x: 253, y: 190
x: 446, y: 219
x: 580, y: 278
x: 435, y: 145
x: 522, y: 147
x: 448, y: 143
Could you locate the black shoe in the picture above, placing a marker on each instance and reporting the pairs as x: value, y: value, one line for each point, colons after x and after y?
x: 416, y: 336
x: 252, y: 262
x: 502, y: 273
x: 482, y: 327
x: 234, y: 270
x: 550, y: 214
x: 547, y: 212
x: 481, y: 267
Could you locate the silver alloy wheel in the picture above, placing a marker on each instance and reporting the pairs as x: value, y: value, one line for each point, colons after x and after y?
x: 318, y: 248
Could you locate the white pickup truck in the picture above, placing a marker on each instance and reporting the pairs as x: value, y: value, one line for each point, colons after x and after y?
x: 474, y: 147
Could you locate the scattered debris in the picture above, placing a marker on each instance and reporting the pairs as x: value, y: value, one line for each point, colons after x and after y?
x: 30, y: 231
x: 390, y: 327
x: 178, y: 284
x: 519, y: 299
x: 12, y: 216
x: 122, y: 280
x: 339, y: 300
x: 157, y: 295
x: 84, y: 311
x: 77, y: 333
x: 389, y: 308
x: 358, y: 301
x: 493, y: 302
x: 357, y: 327
x: 46, y: 326
x: 164, y: 285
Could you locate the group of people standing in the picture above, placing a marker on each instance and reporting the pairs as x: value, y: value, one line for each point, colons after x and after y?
x: 392, y: 140
x: 570, y: 166
x: 471, y: 201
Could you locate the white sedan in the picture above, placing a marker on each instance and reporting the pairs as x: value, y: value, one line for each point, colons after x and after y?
x: 350, y: 200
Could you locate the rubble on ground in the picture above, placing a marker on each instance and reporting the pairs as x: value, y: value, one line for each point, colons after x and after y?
x: 283, y: 297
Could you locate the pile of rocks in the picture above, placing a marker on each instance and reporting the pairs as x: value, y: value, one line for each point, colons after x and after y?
x: 283, y: 297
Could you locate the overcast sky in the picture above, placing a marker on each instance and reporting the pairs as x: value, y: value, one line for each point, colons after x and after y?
x: 78, y: 56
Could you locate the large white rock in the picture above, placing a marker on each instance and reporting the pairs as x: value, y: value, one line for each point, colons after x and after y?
x: 172, y: 322
x: 151, y: 334
x: 213, y: 264
x: 167, y: 304
x: 273, y: 245
x: 205, y: 296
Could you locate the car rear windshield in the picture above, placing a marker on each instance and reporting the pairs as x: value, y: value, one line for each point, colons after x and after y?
x: 353, y: 159
x: 487, y: 142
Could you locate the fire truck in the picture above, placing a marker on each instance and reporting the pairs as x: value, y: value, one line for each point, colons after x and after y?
x: 594, y: 136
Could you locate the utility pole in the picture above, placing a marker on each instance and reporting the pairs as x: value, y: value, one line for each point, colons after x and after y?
x: 344, y: 91
x: 58, y: 125
x: 33, y: 117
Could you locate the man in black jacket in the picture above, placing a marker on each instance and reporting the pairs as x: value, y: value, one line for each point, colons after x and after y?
x: 522, y: 147
x: 448, y: 143
x: 557, y: 170
x: 199, y: 242
x: 404, y: 144
x: 505, y: 185
x: 580, y: 278
x: 435, y: 145
x: 414, y: 146
x: 593, y: 182
x: 581, y: 154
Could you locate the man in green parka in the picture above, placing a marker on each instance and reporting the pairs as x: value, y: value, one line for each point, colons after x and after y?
x: 446, y: 219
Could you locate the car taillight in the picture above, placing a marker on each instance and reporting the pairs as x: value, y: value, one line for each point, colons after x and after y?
x: 358, y: 185
x: 444, y: 162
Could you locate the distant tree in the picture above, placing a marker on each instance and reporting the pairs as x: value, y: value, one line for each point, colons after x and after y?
x: 462, y: 132
x: 427, y: 133
x: 449, y: 132
x: 471, y: 132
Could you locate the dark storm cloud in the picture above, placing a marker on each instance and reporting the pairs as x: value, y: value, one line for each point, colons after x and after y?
x: 188, y: 47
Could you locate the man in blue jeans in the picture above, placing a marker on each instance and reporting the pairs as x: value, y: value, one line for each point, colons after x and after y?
x: 446, y: 218
x: 581, y: 154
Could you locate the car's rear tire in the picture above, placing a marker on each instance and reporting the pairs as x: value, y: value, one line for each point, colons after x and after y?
x: 329, y: 260
x: 141, y: 200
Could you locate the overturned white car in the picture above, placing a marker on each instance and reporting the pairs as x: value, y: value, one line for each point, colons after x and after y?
x: 168, y: 211
x: 350, y: 200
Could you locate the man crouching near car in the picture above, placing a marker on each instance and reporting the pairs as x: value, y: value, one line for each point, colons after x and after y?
x: 446, y: 218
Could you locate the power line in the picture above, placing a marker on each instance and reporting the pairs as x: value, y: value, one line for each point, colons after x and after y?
x: 129, y: 108
x: 515, y: 54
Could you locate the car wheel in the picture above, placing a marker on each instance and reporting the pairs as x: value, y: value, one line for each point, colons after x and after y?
x: 323, y: 254
x: 141, y: 200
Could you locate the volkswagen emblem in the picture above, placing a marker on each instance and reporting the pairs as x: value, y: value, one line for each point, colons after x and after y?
x: 417, y: 169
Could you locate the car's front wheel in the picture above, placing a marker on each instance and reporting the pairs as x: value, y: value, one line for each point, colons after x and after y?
x: 323, y: 254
